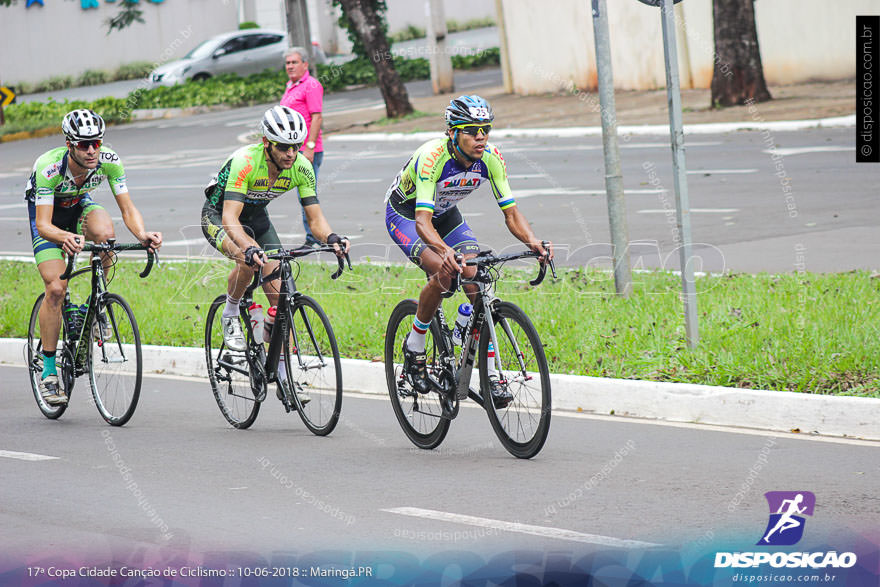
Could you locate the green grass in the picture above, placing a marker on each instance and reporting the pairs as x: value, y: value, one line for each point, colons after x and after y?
x: 811, y: 332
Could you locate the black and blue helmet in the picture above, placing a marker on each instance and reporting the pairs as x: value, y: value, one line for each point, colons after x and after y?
x: 469, y: 110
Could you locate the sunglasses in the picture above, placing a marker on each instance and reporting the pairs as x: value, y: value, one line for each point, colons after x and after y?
x: 283, y: 147
x: 475, y: 129
x: 84, y: 145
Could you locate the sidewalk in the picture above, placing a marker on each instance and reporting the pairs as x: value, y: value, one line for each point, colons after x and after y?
x: 795, y: 102
x: 779, y: 411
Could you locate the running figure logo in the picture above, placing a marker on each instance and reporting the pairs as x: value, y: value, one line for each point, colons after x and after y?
x: 787, y: 508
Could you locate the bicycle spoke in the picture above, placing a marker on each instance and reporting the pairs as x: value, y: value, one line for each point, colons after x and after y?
x: 115, y: 365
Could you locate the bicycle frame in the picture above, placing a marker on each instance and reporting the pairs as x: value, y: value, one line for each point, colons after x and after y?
x: 287, y: 296
x: 486, y: 299
x: 96, y: 299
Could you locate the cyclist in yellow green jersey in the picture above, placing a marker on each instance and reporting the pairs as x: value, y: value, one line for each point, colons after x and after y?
x: 234, y: 218
x: 423, y: 219
x: 62, y: 212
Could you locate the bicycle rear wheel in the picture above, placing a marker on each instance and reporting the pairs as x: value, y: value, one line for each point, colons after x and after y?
x: 229, y: 372
x: 35, y: 363
x: 311, y: 359
x: 115, y: 362
x: 521, y: 426
x: 418, y: 414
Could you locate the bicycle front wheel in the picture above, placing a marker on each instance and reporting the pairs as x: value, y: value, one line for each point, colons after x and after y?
x: 523, y: 424
x: 229, y: 372
x: 35, y: 363
x: 418, y: 414
x: 116, y: 363
x: 311, y: 359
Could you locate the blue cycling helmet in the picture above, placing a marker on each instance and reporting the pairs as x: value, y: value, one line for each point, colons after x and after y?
x: 469, y: 110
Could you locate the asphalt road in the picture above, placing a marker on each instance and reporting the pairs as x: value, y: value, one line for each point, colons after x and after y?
x: 178, y: 480
x: 812, y: 209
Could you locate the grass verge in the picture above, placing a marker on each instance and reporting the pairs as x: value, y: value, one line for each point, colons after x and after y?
x: 798, y: 332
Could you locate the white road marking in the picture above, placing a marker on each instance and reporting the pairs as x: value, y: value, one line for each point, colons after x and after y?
x: 22, y: 205
x: 371, y: 180
x: 720, y: 171
x: 697, y: 210
x: 25, y: 456
x: 545, y: 531
x: 804, y: 150
x: 518, y: 194
x: 527, y: 176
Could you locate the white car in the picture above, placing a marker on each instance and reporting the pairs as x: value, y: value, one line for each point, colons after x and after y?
x: 241, y: 52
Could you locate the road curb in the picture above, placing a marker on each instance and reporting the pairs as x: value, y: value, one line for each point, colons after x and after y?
x: 649, y: 129
x: 780, y: 411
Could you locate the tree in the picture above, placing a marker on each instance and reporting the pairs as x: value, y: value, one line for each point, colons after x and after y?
x: 738, y: 75
x: 365, y: 18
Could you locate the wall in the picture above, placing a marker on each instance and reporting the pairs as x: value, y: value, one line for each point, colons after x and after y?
x: 552, y: 48
x: 404, y: 12
x: 61, y: 38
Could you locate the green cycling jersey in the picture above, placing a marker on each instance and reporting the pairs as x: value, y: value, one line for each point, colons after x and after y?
x: 52, y: 183
x: 244, y: 178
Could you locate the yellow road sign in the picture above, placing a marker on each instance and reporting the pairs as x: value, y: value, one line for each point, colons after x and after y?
x: 6, y: 96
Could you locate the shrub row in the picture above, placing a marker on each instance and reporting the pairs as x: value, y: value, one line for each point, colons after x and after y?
x: 228, y: 89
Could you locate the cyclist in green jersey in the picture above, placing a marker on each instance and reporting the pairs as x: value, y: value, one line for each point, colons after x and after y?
x: 234, y: 218
x: 62, y: 212
x: 423, y: 219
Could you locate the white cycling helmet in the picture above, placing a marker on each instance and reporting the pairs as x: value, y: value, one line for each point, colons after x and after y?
x: 82, y: 125
x: 284, y: 125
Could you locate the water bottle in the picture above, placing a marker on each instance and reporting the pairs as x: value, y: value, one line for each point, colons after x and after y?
x: 256, y: 315
x: 461, y: 323
x: 268, y: 322
x: 71, y: 319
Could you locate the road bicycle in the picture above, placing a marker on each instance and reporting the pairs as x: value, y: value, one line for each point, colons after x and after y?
x: 301, y: 335
x: 100, y: 337
x: 523, y: 424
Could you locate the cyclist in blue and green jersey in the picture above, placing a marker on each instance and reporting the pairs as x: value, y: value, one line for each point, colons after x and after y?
x: 234, y: 218
x: 422, y: 217
x: 62, y: 212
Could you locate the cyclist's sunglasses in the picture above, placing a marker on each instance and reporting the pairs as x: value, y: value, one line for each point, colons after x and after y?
x: 284, y: 147
x: 84, y: 145
x: 474, y: 129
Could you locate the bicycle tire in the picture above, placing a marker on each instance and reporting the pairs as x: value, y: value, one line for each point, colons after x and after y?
x: 35, y: 363
x: 115, y: 388
x: 304, y: 367
x: 231, y: 388
x: 523, y: 425
x: 417, y: 414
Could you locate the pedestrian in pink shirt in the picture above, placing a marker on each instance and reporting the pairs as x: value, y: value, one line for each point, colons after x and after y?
x: 305, y: 94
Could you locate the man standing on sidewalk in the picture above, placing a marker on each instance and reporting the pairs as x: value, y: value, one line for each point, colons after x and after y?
x: 305, y: 94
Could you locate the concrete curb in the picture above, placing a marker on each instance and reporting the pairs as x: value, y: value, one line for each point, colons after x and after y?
x: 675, y: 402
x: 590, y: 131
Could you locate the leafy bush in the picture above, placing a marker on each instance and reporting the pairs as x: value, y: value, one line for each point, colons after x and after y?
x: 58, y: 82
x: 32, y: 116
x: 482, y: 59
x: 453, y: 26
x: 133, y: 70
x: 92, y: 77
x: 248, y: 24
x: 408, y: 34
x: 22, y: 88
x: 228, y: 89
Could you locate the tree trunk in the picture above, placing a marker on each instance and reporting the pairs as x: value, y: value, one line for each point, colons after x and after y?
x: 738, y: 75
x: 365, y: 19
